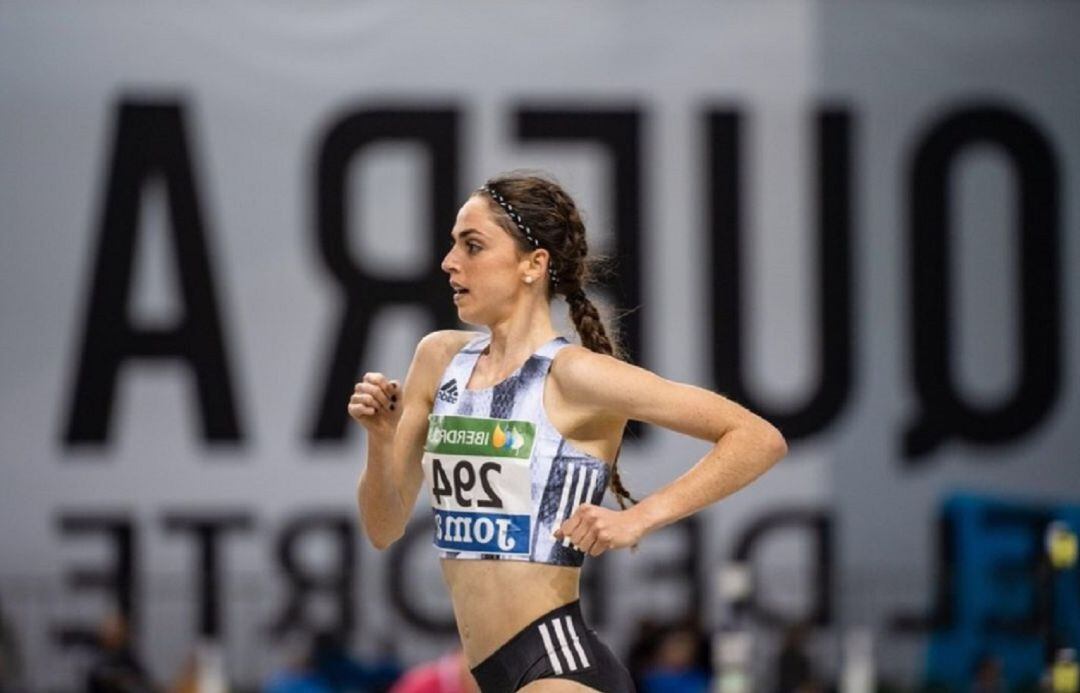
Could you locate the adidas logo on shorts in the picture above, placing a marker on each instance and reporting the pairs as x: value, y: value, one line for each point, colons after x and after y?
x: 564, y: 649
x: 448, y: 392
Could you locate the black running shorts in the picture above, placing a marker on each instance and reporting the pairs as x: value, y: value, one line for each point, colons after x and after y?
x: 558, y: 645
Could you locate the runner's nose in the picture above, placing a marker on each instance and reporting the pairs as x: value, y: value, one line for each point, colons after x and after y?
x: 449, y: 263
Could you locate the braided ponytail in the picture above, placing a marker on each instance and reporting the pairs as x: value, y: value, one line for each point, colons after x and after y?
x: 536, y: 211
x: 594, y: 337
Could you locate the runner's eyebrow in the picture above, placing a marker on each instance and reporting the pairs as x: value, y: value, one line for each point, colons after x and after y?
x: 467, y: 232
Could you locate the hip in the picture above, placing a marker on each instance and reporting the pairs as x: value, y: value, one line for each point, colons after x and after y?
x: 557, y: 645
x: 494, y: 600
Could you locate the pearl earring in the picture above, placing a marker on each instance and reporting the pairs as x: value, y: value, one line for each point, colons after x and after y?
x: 528, y: 280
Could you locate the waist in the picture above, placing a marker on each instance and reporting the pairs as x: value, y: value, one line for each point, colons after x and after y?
x: 494, y: 600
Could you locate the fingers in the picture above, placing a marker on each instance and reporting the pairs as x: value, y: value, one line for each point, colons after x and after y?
x: 390, y: 387
x: 567, y: 528
x: 366, y: 399
x: 362, y: 404
x: 602, y: 543
x: 587, y: 542
x: 373, y: 394
x: 376, y: 395
x: 584, y: 531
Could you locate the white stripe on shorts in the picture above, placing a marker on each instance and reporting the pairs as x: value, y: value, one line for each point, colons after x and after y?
x: 577, y: 642
x: 564, y: 646
x: 552, y: 657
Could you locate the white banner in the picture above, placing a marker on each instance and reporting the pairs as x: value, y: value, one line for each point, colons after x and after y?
x: 214, y: 220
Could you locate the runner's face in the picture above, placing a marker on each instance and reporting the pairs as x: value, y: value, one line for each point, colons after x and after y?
x: 484, y: 264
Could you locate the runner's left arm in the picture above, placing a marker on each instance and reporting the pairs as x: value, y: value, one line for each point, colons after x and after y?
x: 744, y: 444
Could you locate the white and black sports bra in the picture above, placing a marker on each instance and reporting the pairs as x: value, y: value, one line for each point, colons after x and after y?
x: 501, y: 478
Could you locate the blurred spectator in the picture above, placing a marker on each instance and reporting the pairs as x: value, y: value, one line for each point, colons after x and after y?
x: 447, y: 674
x: 10, y: 663
x: 203, y: 670
x: 794, y: 670
x: 187, y: 680
x: 323, y: 664
x: 298, y: 675
x: 670, y: 659
x: 339, y: 671
x: 116, y: 669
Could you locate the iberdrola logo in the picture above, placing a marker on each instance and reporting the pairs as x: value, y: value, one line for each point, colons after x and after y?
x: 507, y: 440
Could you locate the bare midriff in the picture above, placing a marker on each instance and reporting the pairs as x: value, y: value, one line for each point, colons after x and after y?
x: 494, y: 600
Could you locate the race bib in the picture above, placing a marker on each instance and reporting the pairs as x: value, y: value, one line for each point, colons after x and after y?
x: 477, y: 471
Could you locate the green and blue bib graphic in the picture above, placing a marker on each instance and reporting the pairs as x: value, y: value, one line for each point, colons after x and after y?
x: 477, y: 470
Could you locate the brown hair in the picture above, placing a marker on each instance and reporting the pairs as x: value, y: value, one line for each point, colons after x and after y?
x: 554, y: 222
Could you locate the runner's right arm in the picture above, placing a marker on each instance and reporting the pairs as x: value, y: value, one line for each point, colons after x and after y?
x: 396, y: 432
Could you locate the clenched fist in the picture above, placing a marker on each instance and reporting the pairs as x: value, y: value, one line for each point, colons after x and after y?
x: 594, y: 530
x: 376, y: 404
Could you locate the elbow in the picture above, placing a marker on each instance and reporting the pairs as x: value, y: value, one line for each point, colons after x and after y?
x: 381, y: 529
x: 774, y: 443
x: 381, y: 543
x: 381, y: 540
x: 380, y: 534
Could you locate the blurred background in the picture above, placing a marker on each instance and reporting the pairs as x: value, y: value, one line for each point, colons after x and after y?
x: 858, y: 219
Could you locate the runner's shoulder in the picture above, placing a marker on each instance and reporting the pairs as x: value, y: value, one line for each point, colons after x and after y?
x: 437, y: 348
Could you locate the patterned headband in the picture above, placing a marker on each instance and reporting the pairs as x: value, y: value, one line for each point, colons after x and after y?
x: 522, y: 226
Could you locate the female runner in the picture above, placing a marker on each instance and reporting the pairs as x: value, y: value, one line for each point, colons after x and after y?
x: 516, y: 434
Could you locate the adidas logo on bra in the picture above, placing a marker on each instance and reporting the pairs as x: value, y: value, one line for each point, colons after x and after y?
x: 448, y: 392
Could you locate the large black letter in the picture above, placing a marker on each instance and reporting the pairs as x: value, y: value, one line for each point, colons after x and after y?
x: 833, y: 175
x: 151, y: 141
x: 207, y: 529
x: 943, y: 615
x: 119, y: 581
x: 304, y: 582
x: 689, y: 570
x: 364, y: 295
x: 943, y: 411
x: 819, y: 525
